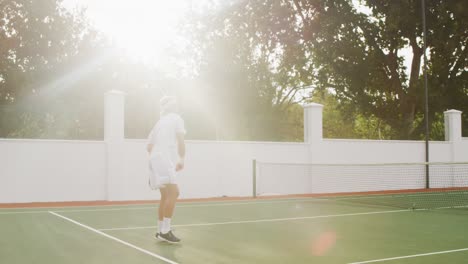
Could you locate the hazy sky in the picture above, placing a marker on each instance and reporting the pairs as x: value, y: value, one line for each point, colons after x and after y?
x: 143, y: 28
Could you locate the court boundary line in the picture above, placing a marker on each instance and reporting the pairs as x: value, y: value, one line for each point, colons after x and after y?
x: 23, y: 212
x: 283, y: 197
x: 200, y: 205
x: 411, y: 256
x: 263, y: 220
x: 180, y: 205
x: 11, y: 211
x: 115, y: 239
x: 180, y: 201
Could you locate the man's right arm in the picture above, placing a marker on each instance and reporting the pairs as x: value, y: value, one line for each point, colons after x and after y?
x: 149, y: 147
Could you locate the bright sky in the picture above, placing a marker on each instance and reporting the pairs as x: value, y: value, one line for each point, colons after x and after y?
x: 145, y: 28
x: 141, y: 28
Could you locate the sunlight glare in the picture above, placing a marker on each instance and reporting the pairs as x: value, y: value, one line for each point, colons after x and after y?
x: 141, y: 28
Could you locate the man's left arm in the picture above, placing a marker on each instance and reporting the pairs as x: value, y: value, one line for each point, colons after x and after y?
x: 180, y: 150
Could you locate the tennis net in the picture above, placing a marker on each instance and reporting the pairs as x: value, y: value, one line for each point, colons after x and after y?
x: 402, y: 185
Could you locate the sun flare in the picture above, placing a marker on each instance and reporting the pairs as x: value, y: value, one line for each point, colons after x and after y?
x: 142, y: 28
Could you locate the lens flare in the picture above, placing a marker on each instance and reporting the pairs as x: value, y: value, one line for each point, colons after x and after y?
x: 323, y: 243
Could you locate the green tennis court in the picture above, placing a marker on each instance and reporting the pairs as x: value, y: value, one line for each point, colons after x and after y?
x: 296, y: 230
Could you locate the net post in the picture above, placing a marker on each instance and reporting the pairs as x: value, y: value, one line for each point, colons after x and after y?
x: 254, y: 178
x: 427, y: 176
x: 426, y: 93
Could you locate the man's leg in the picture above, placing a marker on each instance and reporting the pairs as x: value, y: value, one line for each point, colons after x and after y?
x: 162, y: 207
x: 172, y: 195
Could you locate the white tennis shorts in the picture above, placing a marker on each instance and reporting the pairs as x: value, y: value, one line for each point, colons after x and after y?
x: 162, y: 171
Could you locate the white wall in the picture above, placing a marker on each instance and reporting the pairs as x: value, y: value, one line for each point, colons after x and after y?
x: 213, y: 169
x: 461, y: 150
x: 306, y: 178
x: 378, y: 151
x: 117, y: 169
x: 48, y: 170
x: 40, y: 171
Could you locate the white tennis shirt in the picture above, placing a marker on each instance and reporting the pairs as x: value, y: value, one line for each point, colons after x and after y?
x: 163, y: 136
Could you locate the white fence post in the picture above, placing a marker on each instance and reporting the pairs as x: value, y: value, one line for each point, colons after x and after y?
x: 453, y: 130
x: 453, y: 133
x: 114, y: 107
x: 313, y: 130
x: 114, y: 135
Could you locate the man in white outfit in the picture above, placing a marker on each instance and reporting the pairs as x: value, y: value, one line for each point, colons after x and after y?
x: 166, y: 148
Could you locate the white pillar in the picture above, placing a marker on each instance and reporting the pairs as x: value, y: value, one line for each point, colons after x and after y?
x: 313, y: 130
x: 453, y: 131
x: 114, y: 115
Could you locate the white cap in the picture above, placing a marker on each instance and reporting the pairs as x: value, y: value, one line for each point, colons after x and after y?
x: 167, y: 103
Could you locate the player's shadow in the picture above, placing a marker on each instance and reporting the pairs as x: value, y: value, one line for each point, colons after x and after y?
x: 168, y: 250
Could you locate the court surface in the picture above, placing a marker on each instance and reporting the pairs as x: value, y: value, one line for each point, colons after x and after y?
x: 296, y: 230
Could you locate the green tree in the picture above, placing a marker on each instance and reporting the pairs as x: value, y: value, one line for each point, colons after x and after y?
x: 54, y: 71
x: 250, y: 98
x: 357, y: 49
x: 41, y: 44
x: 340, y: 120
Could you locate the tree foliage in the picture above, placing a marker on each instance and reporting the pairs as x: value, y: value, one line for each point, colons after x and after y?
x: 55, y: 69
x: 249, y: 98
x: 356, y: 48
x: 41, y: 42
x: 251, y: 63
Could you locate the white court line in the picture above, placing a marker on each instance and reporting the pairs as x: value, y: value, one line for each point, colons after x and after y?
x: 411, y: 256
x: 23, y: 212
x: 197, y: 205
x: 202, y: 204
x: 396, y: 195
x: 209, y: 204
x: 123, y: 206
x: 116, y: 239
x: 262, y: 220
x: 75, y: 206
x: 80, y: 210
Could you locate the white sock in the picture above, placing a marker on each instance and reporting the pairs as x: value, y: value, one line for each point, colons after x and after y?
x: 166, y: 225
x: 160, y: 226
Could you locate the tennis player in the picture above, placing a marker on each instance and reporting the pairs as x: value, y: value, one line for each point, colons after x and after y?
x: 166, y: 150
